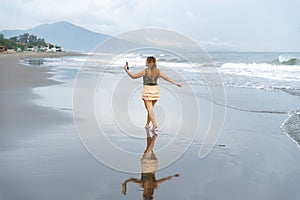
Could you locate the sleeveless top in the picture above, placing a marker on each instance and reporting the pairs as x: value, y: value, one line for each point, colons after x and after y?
x: 148, y: 81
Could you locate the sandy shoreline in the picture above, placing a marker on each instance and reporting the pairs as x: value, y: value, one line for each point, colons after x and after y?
x: 20, y: 116
x: 30, y: 54
x: 41, y: 156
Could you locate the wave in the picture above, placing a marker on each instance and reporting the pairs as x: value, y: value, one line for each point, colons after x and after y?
x: 287, y: 60
x: 291, y: 126
x: 263, y: 70
x: 262, y: 76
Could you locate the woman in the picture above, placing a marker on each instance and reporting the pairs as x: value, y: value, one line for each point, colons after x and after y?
x: 151, y: 91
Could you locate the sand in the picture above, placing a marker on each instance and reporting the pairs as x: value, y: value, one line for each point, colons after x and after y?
x: 20, y: 117
x: 42, y: 157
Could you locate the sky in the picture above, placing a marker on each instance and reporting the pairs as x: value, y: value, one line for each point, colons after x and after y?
x: 245, y: 25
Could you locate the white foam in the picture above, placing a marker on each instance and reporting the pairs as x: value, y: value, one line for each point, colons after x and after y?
x: 263, y: 70
x: 291, y: 127
x: 283, y: 59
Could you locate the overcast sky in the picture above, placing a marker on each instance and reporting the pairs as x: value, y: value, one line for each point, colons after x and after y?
x: 270, y: 25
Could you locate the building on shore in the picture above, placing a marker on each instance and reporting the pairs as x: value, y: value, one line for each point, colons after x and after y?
x: 2, y: 49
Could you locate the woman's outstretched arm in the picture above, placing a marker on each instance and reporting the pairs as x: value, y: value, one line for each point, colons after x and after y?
x: 166, y: 178
x: 124, y: 185
x: 134, y: 76
x: 165, y: 77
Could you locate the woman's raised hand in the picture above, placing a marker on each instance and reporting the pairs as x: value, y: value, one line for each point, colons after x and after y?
x: 125, y: 68
x: 178, y: 84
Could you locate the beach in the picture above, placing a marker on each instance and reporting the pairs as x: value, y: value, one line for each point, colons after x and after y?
x: 42, y: 156
x: 20, y: 117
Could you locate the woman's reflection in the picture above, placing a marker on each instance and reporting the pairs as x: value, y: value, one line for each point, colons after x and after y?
x: 149, y: 166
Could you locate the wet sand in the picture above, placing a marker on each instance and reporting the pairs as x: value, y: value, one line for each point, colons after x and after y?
x: 20, y: 116
x: 42, y: 157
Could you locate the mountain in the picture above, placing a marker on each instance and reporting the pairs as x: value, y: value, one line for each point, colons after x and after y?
x: 69, y: 36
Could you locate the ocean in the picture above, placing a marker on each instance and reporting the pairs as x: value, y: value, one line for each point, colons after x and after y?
x: 269, y: 71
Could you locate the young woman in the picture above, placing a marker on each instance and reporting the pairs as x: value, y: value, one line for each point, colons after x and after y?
x: 151, y: 91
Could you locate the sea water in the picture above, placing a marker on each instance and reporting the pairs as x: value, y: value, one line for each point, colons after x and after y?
x: 275, y: 71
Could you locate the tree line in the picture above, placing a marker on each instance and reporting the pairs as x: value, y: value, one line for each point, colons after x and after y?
x: 23, y: 41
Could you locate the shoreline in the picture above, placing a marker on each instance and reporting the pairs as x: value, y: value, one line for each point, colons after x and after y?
x: 30, y: 54
x: 22, y: 117
x: 42, y: 156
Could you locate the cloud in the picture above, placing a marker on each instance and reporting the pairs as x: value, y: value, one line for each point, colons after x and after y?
x: 230, y: 22
x: 215, y: 43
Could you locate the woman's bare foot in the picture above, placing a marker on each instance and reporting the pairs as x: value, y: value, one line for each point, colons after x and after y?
x: 147, y: 126
x: 154, y: 128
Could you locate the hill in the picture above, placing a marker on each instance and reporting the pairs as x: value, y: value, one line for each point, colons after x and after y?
x: 68, y: 35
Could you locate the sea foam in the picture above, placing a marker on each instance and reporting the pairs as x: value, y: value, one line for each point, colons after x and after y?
x: 291, y: 126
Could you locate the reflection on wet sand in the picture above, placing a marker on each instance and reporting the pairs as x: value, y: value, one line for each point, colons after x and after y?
x: 149, y: 165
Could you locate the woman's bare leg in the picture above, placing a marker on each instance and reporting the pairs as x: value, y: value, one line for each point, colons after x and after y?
x: 153, y: 104
x: 149, y: 106
x: 148, y: 117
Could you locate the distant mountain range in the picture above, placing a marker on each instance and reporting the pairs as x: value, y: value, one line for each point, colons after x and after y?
x: 76, y: 38
x: 69, y: 36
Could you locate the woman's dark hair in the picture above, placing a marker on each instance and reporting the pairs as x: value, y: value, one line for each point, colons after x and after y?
x: 153, y: 71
